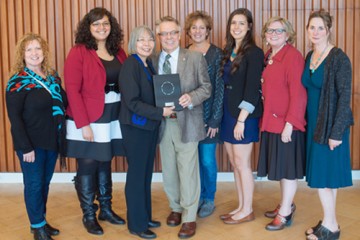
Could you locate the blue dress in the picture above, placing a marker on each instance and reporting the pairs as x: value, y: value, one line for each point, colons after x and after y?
x: 251, y: 132
x: 324, y: 168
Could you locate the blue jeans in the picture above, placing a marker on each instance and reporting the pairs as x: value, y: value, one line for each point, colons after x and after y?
x: 208, y: 171
x: 36, y: 177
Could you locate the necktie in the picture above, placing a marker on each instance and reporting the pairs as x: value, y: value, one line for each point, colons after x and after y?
x: 167, y: 65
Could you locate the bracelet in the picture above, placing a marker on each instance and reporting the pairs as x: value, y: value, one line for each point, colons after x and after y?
x: 240, y: 121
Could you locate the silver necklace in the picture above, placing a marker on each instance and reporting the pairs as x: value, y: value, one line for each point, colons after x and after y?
x: 313, y: 66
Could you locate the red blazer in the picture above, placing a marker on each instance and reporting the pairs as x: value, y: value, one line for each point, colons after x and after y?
x: 284, y: 96
x: 85, y: 79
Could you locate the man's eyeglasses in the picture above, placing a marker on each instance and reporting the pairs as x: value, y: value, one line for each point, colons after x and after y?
x: 104, y: 24
x: 172, y: 33
x: 277, y: 31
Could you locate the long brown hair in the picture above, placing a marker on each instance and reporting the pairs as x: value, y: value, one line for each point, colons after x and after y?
x: 246, y: 43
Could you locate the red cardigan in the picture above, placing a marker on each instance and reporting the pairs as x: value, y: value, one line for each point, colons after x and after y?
x: 284, y: 96
x: 85, y: 79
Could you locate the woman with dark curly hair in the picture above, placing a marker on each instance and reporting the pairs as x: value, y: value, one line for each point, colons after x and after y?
x: 93, y: 129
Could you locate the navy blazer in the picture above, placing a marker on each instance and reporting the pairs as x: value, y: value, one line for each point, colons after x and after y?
x: 245, y: 83
x: 137, y: 96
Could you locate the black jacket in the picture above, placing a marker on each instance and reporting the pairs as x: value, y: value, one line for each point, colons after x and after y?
x: 137, y: 96
x: 245, y: 83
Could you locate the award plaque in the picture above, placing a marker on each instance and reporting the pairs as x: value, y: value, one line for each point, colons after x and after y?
x: 167, y: 90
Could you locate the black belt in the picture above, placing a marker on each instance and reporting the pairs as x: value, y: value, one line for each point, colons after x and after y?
x: 112, y: 88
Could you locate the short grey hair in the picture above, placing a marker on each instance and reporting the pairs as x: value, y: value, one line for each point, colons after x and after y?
x: 135, y: 35
x: 166, y: 19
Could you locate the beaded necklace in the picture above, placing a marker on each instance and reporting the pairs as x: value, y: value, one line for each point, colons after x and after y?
x: 233, y: 54
x: 314, y: 65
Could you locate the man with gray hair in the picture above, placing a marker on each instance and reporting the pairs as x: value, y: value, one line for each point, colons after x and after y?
x: 181, y: 132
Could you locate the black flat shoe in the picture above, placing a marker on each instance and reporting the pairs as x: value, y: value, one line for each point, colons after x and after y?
x: 49, y: 230
x: 323, y: 233
x: 148, y: 234
x: 40, y: 234
x: 154, y: 224
x: 313, y: 229
x: 92, y: 225
x: 111, y: 217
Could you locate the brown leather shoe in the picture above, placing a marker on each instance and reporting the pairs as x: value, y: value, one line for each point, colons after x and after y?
x: 187, y: 230
x: 174, y: 219
x: 225, y: 216
x: 247, y: 218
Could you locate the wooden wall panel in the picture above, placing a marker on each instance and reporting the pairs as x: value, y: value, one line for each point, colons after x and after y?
x: 56, y: 21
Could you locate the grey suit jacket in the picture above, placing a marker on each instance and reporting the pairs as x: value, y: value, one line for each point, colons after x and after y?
x: 195, y: 81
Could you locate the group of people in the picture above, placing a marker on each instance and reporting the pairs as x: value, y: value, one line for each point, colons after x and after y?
x: 228, y: 95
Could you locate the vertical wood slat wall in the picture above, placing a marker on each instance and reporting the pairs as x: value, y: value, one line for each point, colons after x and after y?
x: 56, y: 21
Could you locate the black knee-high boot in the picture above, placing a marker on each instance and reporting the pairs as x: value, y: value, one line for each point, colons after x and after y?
x: 86, y: 186
x: 104, y: 197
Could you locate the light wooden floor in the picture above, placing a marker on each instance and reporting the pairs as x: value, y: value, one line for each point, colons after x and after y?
x: 64, y: 213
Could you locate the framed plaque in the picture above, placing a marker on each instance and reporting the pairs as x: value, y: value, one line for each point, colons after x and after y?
x: 167, y: 90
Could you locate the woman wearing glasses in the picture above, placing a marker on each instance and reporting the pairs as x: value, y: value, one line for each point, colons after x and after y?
x: 93, y: 129
x: 140, y: 121
x: 282, y: 146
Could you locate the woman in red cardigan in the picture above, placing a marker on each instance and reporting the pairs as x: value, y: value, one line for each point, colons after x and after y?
x: 282, y: 146
x: 93, y: 129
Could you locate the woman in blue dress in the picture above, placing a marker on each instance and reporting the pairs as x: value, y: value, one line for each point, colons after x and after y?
x: 242, y: 66
x: 327, y: 78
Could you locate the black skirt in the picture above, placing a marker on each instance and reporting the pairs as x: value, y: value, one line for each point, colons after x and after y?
x: 279, y: 160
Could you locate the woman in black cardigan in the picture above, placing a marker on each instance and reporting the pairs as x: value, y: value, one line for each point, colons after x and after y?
x: 327, y: 78
x: 140, y: 121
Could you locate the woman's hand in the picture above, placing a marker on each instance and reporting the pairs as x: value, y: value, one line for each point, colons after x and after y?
x: 167, y: 111
x: 212, y: 132
x: 239, y: 130
x: 29, y: 157
x: 87, y: 133
x: 334, y: 143
x: 286, y: 133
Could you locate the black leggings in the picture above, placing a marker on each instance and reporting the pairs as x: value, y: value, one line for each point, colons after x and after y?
x: 92, y: 167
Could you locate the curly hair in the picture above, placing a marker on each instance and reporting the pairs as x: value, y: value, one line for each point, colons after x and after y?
x: 192, y: 17
x: 21, y: 45
x: 246, y: 43
x: 84, y: 36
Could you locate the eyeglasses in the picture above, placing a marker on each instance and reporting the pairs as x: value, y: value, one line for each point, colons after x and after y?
x: 143, y: 40
x: 172, y: 33
x: 277, y: 31
x: 98, y: 24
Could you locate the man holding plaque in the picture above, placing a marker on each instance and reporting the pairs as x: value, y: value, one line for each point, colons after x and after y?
x: 181, y: 132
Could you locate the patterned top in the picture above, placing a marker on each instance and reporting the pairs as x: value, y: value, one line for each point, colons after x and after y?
x: 36, y: 109
x: 213, y: 106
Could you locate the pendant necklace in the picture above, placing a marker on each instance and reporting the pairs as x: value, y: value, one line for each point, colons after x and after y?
x: 233, y: 54
x: 274, y: 53
x: 314, y: 65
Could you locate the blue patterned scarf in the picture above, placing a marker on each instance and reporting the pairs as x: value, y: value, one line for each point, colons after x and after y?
x: 27, y: 80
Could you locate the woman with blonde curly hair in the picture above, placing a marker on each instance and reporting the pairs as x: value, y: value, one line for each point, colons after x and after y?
x: 36, y: 104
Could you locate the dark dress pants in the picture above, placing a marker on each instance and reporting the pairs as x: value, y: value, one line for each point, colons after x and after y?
x: 140, y: 148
